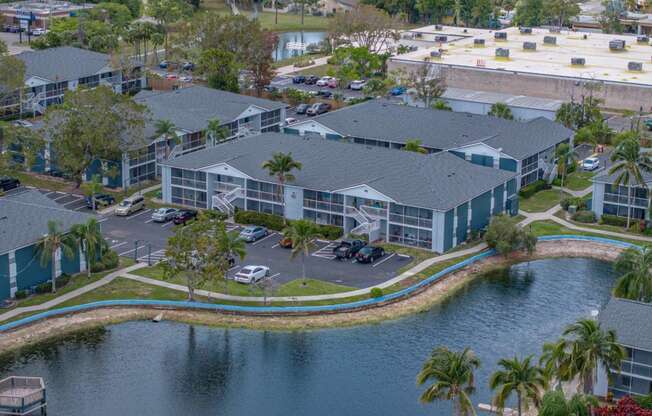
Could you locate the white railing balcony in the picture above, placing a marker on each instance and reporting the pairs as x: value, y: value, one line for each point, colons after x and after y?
x: 374, y: 212
x: 233, y: 194
x: 356, y: 214
x: 226, y: 186
x: 221, y: 204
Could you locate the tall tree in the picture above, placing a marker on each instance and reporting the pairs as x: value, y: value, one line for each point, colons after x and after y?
x: 230, y: 246
x: 612, y: 11
x: 414, y: 145
x: 629, y: 163
x: 12, y: 76
x: 55, y: 241
x: 451, y: 373
x: 518, y: 377
x: 220, y: 69
x: 167, y: 12
x: 93, y: 125
x: 281, y: 166
x: 89, y: 238
x: 563, y: 11
x: 427, y: 86
x: 566, y: 157
x: 302, y: 233
x: 168, y: 131
x: 530, y: 13
x: 364, y: 26
x: 635, y: 281
x: 259, y: 59
x: 501, y: 110
x: 217, y: 132
x: 92, y: 188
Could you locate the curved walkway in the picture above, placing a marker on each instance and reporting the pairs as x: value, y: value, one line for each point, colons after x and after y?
x: 288, y: 310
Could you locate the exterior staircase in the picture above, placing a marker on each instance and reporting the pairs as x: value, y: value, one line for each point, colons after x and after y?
x: 367, y: 218
x: 223, y: 201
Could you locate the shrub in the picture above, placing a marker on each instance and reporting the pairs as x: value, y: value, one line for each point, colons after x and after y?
x: 584, y: 216
x: 330, y: 232
x: 110, y: 260
x: 21, y: 294
x: 613, y: 220
x: 505, y: 236
x: 533, y: 188
x: 273, y: 222
x: 215, y: 215
x: 43, y: 288
x: 580, y: 203
x: 376, y: 292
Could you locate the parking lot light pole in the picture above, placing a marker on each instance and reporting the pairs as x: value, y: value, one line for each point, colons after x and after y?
x: 149, y: 254
x: 136, y: 250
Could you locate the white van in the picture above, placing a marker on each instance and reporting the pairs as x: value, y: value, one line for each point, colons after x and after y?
x: 130, y: 205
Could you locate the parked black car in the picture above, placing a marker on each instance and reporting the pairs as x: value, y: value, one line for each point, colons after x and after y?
x: 188, y: 66
x: 101, y: 200
x: 348, y: 248
x: 325, y: 93
x: 319, y: 108
x: 299, y: 79
x: 311, y: 79
x: 184, y: 216
x: 302, y: 108
x: 369, y: 254
x: 7, y: 183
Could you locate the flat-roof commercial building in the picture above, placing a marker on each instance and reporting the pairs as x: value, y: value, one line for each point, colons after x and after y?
x: 39, y: 13
x: 23, y: 222
x: 430, y: 201
x: 49, y: 73
x: 542, y: 63
x: 523, y: 147
x: 632, y: 322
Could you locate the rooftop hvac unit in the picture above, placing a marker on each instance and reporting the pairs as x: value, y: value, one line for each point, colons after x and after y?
x: 435, y: 54
x: 617, y: 45
x: 526, y: 30
x: 578, y: 61
x: 642, y: 39
x: 500, y: 35
x: 478, y: 42
x: 530, y: 46
x: 502, y: 53
x: 438, y: 27
x: 550, y: 40
x: 441, y: 38
x: 635, y: 66
x: 554, y: 30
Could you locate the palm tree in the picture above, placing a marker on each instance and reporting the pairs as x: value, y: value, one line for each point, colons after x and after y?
x: 89, y: 238
x: 501, y: 110
x: 555, y: 361
x: 281, y: 166
x: 230, y: 245
x: 635, y: 281
x: 51, y: 243
x: 301, y: 233
x: 565, y: 158
x: 589, y: 346
x: 452, y: 376
x: 520, y: 377
x: 217, y: 132
x: 167, y: 130
x: 414, y: 145
x: 93, y: 188
x: 629, y: 165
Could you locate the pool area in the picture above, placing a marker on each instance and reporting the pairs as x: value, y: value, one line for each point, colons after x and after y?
x: 172, y: 368
x: 286, y: 39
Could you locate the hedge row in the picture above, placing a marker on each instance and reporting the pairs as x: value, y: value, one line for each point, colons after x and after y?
x: 584, y: 216
x: 613, y: 220
x: 533, y: 188
x: 108, y: 261
x: 579, y: 202
x: 276, y: 223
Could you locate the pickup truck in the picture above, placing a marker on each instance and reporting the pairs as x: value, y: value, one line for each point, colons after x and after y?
x: 346, y: 249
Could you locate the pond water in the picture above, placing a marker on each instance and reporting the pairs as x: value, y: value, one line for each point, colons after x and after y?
x: 283, y: 51
x: 142, y: 368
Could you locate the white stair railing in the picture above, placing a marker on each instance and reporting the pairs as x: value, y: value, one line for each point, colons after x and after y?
x: 373, y: 213
x: 366, y: 223
x: 223, y: 201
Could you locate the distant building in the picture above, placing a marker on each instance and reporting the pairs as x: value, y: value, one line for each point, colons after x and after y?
x: 617, y: 200
x: 49, y: 73
x: 23, y: 222
x: 39, y: 13
x: 523, y: 147
x: 632, y: 322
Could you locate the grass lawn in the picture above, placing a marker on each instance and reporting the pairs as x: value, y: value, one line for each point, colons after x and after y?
x: 319, y: 71
x: 39, y: 181
x: 418, y: 255
x: 578, y: 180
x: 548, y: 227
x: 425, y: 273
x: 542, y: 201
x: 614, y: 228
x: 296, y: 59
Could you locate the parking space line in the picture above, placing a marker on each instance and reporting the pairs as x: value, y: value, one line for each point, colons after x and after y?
x: 263, y: 239
x: 138, y: 215
x: 82, y: 207
x: 383, y: 260
x: 50, y: 193
x: 403, y: 255
x: 132, y: 250
x: 272, y: 276
x: 118, y: 245
x: 167, y: 224
x: 73, y: 202
x: 61, y: 197
x: 148, y: 221
x: 275, y: 245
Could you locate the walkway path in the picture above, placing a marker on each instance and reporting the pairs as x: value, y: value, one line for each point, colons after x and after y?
x: 577, y: 194
x: 290, y: 69
x: 70, y: 295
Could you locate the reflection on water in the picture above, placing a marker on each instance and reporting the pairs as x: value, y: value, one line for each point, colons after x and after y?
x: 142, y: 368
x: 283, y: 51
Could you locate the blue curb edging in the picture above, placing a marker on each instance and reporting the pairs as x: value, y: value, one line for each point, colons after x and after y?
x: 293, y: 309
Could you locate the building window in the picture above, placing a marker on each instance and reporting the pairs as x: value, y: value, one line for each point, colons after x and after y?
x: 324, y: 201
x: 270, y: 117
x: 142, y: 173
x: 189, y: 197
x: 264, y: 191
x: 410, y: 236
x: 266, y: 207
x: 621, y: 211
x: 412, y: 216
x: 323, y: 218
x: 188, y: 178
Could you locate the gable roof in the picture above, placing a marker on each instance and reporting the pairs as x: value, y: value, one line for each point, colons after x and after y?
x: 64, y: 63
x: 444, y: 130
x: 631, y: 320
x: 24, y: 218
x: 438, y: 181
x: 191, y: 108
x: 606, y: 177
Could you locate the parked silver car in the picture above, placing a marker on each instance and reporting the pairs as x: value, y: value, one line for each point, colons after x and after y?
x: 253, y: 233
x: 164, y: 214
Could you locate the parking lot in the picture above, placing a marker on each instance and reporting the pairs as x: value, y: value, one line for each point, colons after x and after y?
x: 138, y: 236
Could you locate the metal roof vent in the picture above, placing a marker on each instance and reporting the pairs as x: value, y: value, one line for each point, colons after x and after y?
x: 438, y: 27
x: 550, y: 40
x: 526, y: 30
x: 478, y: 42
x: 578, y: 61
x: 554, y: 30
x: 500, y: 35
x: 502, y: 53
x: 441, y: 38
x: 635, y: 66
x: 642, y: 39
x: 530, y: 46
x: 617, y: 45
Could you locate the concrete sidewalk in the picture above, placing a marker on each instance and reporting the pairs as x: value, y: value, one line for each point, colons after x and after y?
x: 290, y: 69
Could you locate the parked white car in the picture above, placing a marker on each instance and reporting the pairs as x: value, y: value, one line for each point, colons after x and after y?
x: 323, y: 81
x: 164, y: 214
x: 38, y: 32
x: 591, y: 163
x: 358, y: 85
x: 251, y: 274
x: 290, y: 120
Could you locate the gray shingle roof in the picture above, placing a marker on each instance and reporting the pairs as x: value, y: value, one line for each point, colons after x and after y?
x: 64, y: 63
x: 191, y: 108
x: 439, y: 181
x: 631, y: 320
x: 24, y: 218
x: 605, y: 177
x: 444, y: 130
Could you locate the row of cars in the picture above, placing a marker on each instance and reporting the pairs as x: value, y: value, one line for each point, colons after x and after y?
x: 327, y: 81
x: 37, y: 31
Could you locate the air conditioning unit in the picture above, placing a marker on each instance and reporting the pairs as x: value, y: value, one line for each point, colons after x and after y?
x: 617, y: 45
x: 550, y: 40
x: 438, y: 27
x: 435, y: 54
x: 500, y: 35
x: 554, y: 30
x: 478, y: 42
x: 578, y: 61
x: 526, y: 30
x: 441, y: 38
x: 635, y: 66
x: 530, y: 46
x: 642, y: 39
x: 502, y: 53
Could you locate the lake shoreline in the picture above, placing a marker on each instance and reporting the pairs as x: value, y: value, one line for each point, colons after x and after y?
x: 419, y: 302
